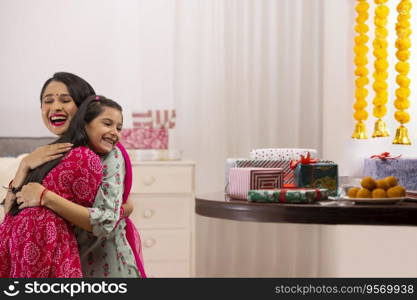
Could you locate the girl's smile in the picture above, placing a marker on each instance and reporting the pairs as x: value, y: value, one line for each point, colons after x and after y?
x: 104, y: 131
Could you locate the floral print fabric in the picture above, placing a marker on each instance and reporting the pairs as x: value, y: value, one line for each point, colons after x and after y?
x: 38, y: 243
x: 105, y: 252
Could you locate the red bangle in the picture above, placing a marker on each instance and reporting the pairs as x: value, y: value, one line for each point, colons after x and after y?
x: 42, y: 194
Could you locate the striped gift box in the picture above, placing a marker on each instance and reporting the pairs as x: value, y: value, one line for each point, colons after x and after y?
x: 288, y: 174
x: 160, y: 118
x: 241, y: 180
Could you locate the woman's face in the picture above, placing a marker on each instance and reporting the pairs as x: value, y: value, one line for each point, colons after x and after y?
x: 104, y: 131
x: 58, y: 107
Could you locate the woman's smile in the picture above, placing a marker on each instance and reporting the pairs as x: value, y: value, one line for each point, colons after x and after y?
x: 58, y: 119
x: 58, y: 107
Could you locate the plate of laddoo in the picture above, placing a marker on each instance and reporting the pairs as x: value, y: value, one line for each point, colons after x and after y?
x: 377, y: 191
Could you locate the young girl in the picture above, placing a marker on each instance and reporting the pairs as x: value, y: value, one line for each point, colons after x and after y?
x: 105, y: 242
x: 35, y: 242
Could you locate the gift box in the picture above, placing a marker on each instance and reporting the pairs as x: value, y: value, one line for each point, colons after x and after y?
x: 241, y: 180
x: 287, y: 173
x: 404, y: 169
x: 145, y: 138
x: 288, y: 195
x: 230, y: 163
x: 154, y: 118
x: 317, y: 175
x: 281, y: 153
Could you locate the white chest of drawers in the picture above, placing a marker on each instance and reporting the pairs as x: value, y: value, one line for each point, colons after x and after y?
x: 163, y: 197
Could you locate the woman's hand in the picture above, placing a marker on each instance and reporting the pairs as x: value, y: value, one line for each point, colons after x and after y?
x: 127, y: 209
x: 44, y: 154
x: 8, y: 201
x: 30, y: 195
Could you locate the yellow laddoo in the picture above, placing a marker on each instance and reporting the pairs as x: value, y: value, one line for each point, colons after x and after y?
x: 400, y: 190
x: 391, y: 181
x: 396, y: 191
x: 368, y: 183
x: 364, y: 193
x: 352, y: 192
x: 382, y: 184
x: 379, y: 193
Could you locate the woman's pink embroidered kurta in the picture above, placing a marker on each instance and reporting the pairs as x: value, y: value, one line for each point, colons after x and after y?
x: 37, y: 242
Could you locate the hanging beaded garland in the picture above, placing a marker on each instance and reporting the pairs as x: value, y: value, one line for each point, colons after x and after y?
x: 361, y: 71
x: 403, y: 44
x: 380, y: 86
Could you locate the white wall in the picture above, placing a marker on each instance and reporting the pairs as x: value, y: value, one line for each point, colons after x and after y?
x: 338, y: 89
x: 125, y: 50
x: 122, y: 48
x: 360, y: 251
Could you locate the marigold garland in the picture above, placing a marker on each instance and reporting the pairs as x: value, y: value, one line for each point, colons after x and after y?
x: 403, y: 44
x: 380, y: 86
x: 361, y: 70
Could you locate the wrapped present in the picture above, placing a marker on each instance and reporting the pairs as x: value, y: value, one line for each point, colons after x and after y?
x: 288, y: 195
x: 144, y: 138
x: 405, y: 169
x: 317, y: 175
x: 281, y: 153
x: 287, y: 173
x: 241, y: 180
x: 230, y: 163
x: 154, y: 119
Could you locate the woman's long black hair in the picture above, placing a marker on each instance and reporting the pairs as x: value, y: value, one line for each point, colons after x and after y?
x: 89, y: 109
x: 78, y: 88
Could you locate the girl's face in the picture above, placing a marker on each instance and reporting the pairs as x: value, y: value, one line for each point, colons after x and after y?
x: 104, y: 131
x: 58, y: 108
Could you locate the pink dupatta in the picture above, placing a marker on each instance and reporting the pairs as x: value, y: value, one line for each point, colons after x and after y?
x: 132, y: 234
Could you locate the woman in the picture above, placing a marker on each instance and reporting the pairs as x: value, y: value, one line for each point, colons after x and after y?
x: 101, y: 247
x: 51, y: 249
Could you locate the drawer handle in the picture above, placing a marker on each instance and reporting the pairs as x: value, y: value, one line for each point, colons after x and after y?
x: 148, y: 180
x: 148, y: 213
x: 150, y: 243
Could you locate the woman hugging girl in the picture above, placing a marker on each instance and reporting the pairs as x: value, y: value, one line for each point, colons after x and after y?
x: 36, y: 242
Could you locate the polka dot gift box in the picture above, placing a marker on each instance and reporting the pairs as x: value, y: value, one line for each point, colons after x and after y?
x: 282, y: 153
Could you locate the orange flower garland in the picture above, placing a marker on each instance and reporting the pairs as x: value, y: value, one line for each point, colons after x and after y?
x: 361, y: 70
x: 402, y: 93
x: 380, y: 85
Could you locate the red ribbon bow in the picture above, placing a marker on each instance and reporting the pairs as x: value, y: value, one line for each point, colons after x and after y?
x: 305, y: 160
x: 384, y: 156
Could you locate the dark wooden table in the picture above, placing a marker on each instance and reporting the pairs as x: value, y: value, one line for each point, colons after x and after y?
x: 218, y: 205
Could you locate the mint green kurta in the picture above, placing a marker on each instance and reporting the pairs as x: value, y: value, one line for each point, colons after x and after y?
x: 106, y: 252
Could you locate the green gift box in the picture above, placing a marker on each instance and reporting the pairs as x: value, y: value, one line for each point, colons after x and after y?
x: 317, y: 175
x: 288, y: 195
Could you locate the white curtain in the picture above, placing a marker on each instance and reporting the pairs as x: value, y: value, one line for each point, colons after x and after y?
x: 247, y: 74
